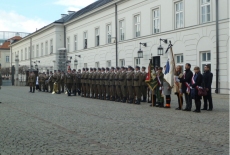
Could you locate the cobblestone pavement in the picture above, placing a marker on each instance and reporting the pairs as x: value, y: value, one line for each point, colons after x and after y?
x: 43, y: 123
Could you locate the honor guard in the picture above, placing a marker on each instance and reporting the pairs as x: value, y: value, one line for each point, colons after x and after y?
x: 102, y: 84
x: 59, y: 81
x: 137, y: 84
x: 93, y: 83
x: 87, y: 89
x: 122, y: 79
x: 98, y: 95
x: 107, y: 84
x: 83, y: 82
x: 41, y: 81
x: 144, y: 85
x: 112, y: 84
x: 117, y: 84
x: 74, y: 77
x: 68, y: 81
x: 79, y: 88
x: 90, y: 81
x: 32, y: 82
x: 51, y: 81
x: 62, y: 81
x: 129, y: 79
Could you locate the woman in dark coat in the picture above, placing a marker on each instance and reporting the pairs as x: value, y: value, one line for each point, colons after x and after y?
x: 196, y: 82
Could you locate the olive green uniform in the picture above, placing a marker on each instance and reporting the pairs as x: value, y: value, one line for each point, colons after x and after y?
x: 62, y: 82
x: 112, y: 85
x: 102, y: 85
x: 122, y: 79
x: 144, y: 86
x: 87, y: 82
x: 90, y: 81
x: 129, y: 79
x: 107, y: 84
x: 137, y: 85
x: 93, y: 84
x: 79, y: 89
x: 32, y: 82
x: 117, y: 84
x: 51, y: 83
x: 41, y: 81
x: 74, y: 76
x: 83, y: 83
x: 98, y: 85
x: 68, y: 82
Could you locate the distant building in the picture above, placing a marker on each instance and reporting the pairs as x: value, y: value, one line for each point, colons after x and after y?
x: 108, y: 32
x: 5, y: 51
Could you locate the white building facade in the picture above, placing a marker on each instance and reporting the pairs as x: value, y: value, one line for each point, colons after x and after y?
x: 110, y: 34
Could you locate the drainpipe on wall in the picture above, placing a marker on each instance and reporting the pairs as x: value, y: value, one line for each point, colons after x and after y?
x: 64, y: 37
x: 116, y: 35
x: 217, y: 47
x: 30, y: 51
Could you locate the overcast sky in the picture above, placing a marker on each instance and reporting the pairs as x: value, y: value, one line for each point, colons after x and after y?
x: 27, y: 15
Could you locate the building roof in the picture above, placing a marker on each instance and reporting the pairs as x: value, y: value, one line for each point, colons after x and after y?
x: 6, y: 44
x: 85, y: 10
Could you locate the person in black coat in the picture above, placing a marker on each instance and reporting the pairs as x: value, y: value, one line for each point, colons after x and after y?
x: 196, y: 82
x: 186, y: 81
x: 207, y: 83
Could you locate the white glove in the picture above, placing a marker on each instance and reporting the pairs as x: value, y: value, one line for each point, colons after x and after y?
x: 160, y: 88
x: 177, y: 80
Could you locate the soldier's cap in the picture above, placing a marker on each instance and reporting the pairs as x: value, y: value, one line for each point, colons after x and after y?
x: 103, y: 68
x: 143, y: 67
x: 43, y: 72
x: 130, y: 67
x: 87, y: 69
x: 123, y: 67
x: 160, y: 68
x: 95, y: 69
x: 74, y: 69
x: 138, y: 67
x: 79, y: 70
x: 99, y: 69
x: 83, y: 69
x: 50, y: 71
x: 58, y: 70
x: 69, y: 69
x: 117, y: 67
x: 112, y: 68
x: 107, y: 68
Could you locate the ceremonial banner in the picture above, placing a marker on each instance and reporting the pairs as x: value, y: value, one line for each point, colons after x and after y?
x: 170, y: 69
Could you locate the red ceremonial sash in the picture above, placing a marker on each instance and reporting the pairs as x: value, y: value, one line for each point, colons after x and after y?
x: 187, y: 85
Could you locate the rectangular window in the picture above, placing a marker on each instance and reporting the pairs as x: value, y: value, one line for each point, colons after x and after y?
x: 156, y: 21
x: 97, y: 64
x: 51, y: 46
x: 205, y: 11
x: 46, y: 48
x: 97, y: 35
x: 137, y: 61
x: 37, y: 50
x: 41, y: 49
x: 85, y: 39
x: 21, y: 54
x: 108, y: 63
x: 85, y: 65
x: 68, y: 45
x: 137, y: 24
x: 109, y: 33
x: 179, y: 14
x: 205, y: 60
x: 7, y: 58
x: 25, y: 53
x: 180, y: 61
x: 122, y: 62
x: 75, y: 43
x: 121, y: 30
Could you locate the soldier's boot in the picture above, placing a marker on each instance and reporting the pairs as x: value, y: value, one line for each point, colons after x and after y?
x: 138, y: 101
x: 130, y: 101
x: 117, y: 99
x: 30, y: 90
x: 161, y: 105
x: 112, y: 98
x: 144, y: 99
x: 124, y: 100
x: 75, y: 93
x: 33, y: 90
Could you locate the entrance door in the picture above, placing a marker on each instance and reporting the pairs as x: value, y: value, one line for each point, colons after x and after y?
x: 156, y: 61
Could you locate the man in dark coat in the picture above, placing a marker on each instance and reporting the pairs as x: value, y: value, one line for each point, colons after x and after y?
x: 186, y: 82
x: 207, y: 84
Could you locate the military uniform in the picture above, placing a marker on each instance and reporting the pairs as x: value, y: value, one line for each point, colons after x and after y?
x: 41, y: 81
x: 160, y: 98
x: 112, y: 85
x: 144, y: 87
x: 32, y: 82
x: 129, y: 79
x: 46, y: 82
x: 83, y: 82
x: 90, y: 81
x: 62, y: 82
x: 51, y: 82
x: 79, y: 88
x: 98, y: 93
x: 59, y: 82
x: 87, y: 88
x: 117, y: 84
x: 107, y: 83
x: 69, y: 82
x: 74, y: 76
x: 93, y: 82
x: 102, y: 85
x: 122, y: 79
x: 137, y: 85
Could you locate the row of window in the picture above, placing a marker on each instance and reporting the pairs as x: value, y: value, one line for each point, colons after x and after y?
x: 24, y: 55
x: 179, y: 23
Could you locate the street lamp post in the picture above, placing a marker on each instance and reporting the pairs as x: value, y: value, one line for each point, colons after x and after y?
x: 160, y: 49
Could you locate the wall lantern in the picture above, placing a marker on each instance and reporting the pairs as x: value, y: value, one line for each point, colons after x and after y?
x: 75, y: 62
x: 160, y: 49
x: 140, y: 52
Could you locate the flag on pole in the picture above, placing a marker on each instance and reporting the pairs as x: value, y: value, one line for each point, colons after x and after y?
x: 170, y: 68
x: 151, y: 79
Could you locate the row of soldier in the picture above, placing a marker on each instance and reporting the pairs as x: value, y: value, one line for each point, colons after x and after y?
x: 115, y: 84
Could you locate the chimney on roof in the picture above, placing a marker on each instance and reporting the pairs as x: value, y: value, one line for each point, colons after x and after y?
x: 70, y: 12
x: 63, y: 15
